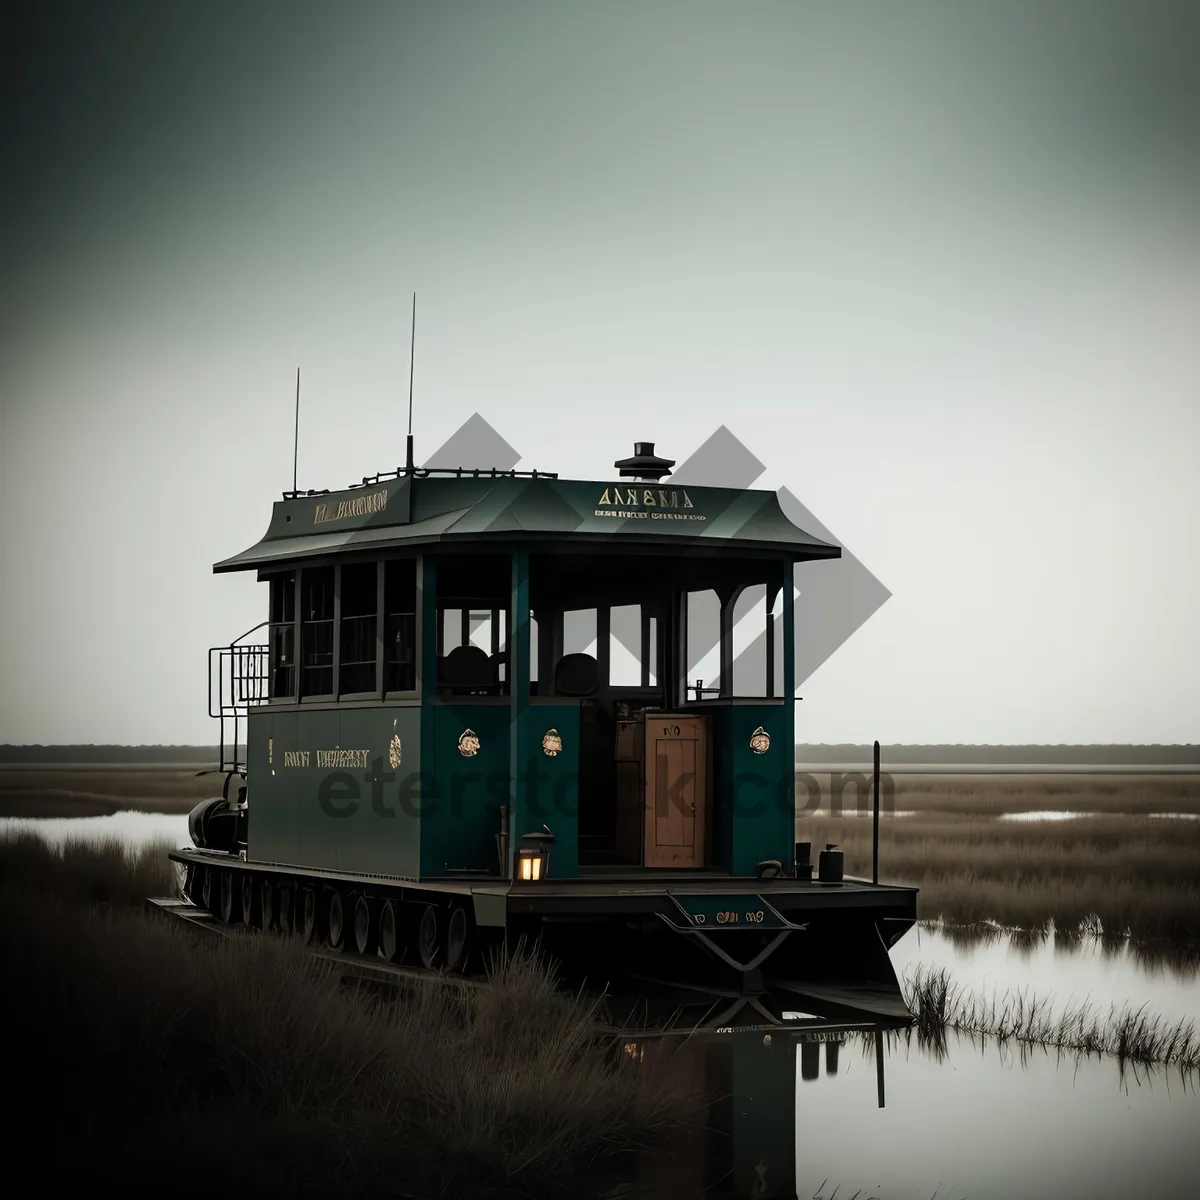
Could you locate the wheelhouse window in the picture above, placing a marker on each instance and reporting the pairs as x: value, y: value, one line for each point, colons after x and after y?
x: 316, y: 632
x: 283, y: 636
x: 632, y: 647
x: 359, y: 644
x: 400, y: 625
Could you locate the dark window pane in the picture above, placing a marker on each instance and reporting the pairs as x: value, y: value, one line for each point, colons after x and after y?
x: 399, y: 630
x: 359, y: 643
x: 316, y: 632
x: 283, y: 660
x: 399, y: 650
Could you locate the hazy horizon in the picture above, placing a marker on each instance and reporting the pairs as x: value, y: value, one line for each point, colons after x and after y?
x: 937, y: 267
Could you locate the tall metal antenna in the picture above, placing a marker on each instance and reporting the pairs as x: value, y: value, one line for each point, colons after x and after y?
x: 408, y: 468
x: 296, y: 444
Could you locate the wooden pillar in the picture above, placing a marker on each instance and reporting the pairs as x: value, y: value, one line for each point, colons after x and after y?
x: 518, y: 675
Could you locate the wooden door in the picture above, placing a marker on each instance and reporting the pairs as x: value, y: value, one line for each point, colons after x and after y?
x: 676, y: 791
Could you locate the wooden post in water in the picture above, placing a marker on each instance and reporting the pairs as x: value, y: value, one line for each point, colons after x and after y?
x: 875, y: 832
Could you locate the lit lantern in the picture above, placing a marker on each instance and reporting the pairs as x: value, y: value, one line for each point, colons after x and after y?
x: 533, y: 858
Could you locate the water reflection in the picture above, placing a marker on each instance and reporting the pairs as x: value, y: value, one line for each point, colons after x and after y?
x: 1068, y: 968
x: 881, y: 1113
x: 1076, y: 814
x: 135, y: 829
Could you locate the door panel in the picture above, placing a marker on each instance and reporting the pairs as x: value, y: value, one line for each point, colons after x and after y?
x: 676, y: 752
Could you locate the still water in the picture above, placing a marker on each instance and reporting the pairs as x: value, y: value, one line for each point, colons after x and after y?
x: 876, y: 1114
x: 135, y: 829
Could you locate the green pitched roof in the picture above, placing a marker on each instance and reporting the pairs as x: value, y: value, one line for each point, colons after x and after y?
x: 547, y: 512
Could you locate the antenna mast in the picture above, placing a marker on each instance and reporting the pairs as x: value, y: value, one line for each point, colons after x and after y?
x: 408, y: 468
x: 296, y: 444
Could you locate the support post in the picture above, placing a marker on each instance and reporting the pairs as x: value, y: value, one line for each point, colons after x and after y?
x: 789, y: 636
x: 644, y: 654
x: 772, y: 681
x: 787, y: 768
x: 380, y: 630
x: 679, y: 649
x: 335, y: 685
x: 298, y: 691
x: 875, y: 831
x: 604, y: 645
x: 725, y: 648
x: 426, y: 629
x: 518, y: 676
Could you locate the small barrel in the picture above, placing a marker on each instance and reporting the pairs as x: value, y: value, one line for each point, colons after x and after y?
x: 830, y: 869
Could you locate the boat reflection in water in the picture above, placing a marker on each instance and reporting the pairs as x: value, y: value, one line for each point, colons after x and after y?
x: 744, y: 1143
x: 802, y: 1112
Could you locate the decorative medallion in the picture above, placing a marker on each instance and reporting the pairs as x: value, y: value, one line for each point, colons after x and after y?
x: 760, y: 741
x: 552, y: 743
x: 468, y: 743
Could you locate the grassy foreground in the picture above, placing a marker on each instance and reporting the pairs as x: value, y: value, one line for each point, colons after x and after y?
x: 165, y: 1059
x: 1131, y: 871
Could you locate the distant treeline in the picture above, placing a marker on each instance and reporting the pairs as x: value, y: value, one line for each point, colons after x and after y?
x: 1113, y: 755
x: 109, y: 754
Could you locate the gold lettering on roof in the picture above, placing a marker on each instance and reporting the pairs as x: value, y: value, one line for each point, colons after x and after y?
x: 626, y: 497
x: 359, y: 506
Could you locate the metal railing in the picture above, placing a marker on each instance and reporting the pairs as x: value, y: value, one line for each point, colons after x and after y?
x: 425, y: 472
x: 238, y: 677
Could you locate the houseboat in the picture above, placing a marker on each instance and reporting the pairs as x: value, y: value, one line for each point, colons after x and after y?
x: 420, y: 765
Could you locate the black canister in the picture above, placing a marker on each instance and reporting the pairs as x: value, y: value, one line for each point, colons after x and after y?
x: 830, y: 869
x: 804, y: 860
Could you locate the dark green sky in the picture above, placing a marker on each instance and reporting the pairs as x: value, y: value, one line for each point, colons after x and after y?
x: 936, y: 264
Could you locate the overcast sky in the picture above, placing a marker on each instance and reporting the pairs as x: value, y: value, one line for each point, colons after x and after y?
x: 936, y: 265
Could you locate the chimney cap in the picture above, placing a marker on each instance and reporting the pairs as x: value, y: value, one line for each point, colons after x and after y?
x: 644, y: 464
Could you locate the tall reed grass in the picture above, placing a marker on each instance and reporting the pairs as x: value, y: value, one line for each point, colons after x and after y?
x: 1128, y: 1034
x: 1134, y: 875
x: 171, y: 1061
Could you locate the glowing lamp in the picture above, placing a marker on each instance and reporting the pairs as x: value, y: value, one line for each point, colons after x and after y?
x: 533, y: 858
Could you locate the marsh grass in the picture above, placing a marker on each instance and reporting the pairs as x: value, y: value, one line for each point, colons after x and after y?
x: 84, y: 870
x: 1132, y: 874
x: 1130, y: 1035
x: 37, y: 792
x: 255, y: 1065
